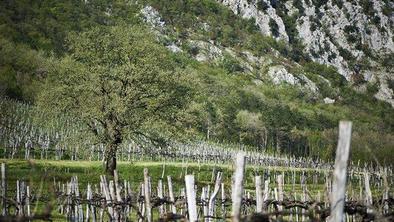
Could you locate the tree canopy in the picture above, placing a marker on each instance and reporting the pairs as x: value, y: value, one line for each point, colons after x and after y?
x: 117, y: 80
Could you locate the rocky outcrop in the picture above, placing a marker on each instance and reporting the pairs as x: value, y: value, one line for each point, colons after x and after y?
x: 341, y: 33
x: 279, y: 74
x: 250, y: 9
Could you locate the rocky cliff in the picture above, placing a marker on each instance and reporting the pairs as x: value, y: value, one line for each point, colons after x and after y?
x: 356, y: 37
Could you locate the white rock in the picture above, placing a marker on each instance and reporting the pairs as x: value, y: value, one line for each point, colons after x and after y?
x: 174, y: 48
x: 279, y: 74
x: 248, y: 9
x: 207, y: 51
x: 328, y: 100
x: 152, y: 17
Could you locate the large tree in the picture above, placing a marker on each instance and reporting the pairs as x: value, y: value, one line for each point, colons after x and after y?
x: 117, y: 80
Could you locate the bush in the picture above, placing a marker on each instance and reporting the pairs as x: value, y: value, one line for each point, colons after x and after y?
x: 231, y: 65
x: 262, y: 5
x: 346, y: 54
x: 372, y: 89
x: 299, y: 6
x: 339, y: 3
x: 328, y: 72
x: 390, y: 83
x: 274, y: 27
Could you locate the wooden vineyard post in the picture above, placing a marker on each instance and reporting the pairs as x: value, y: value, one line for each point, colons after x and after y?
x: 339, y: 180
x: 385, y: 192
x: 259, y: 195
x: 107, y: 196
x: 171, y: 194
x: 237, y: 189
x: 28, y: 200
x: 191, y: 198
x: 279, y: 180
x: 266, y: 194
x: 211, y: 204
x: 368, y: 193
x: 223, y: 198
x: 3, y: 189
x: 161, y: 196
x: 148, y: 207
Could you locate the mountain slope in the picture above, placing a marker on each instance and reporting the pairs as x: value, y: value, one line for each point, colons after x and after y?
x: 250, y: 87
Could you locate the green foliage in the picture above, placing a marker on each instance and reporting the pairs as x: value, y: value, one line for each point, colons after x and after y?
x: 388, y: 61
x: 45, y: 24
x: 346, y: 54
x: 225, y: 27
x: 367, y: 6
x: 113, y: 82
x: 108, y: 75
x: 339, y: 3
x: 390, y: 83
x: 328, y: 72
x: 299, y: 6
x: 231, y: 64
x: 372, y: 89
x: 297, y: 48
x: 274, y: 27
x: 20, y: 70
x: 262, y: 5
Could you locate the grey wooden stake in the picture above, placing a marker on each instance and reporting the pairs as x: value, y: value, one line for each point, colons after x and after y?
x: 191, y: 198
x: 223, y: 197
x: 279, y: 180
x: 266, y: 194
x: 148, y: 207
x: 211, y: 204
x: 161, y: 196
x: 171, y: 193
x: 259, y: 195
x: 237, y: 189
x: 368, y: 193
x: 204, y: 197
x: 107, y: 195
x: 339, y: 180
x: 3, y: 189
x: 28, y: 200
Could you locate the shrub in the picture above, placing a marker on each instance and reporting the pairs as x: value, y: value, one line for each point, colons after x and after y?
x: 390, y: 83
x: 262, y: 5
x: 372, y: 89
x: 299, y: 6
x: 339, y: 3
x: 346, y: 54
x: 274, y: 27
x: 328, y: 72
x: 231, y: 65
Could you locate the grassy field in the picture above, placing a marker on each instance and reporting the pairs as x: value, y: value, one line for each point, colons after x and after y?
x: 44, y: 172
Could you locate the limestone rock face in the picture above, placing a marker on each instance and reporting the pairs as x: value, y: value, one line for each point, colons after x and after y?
x: 249, y: 9
x: 279, y: 74
x: 346, y: 34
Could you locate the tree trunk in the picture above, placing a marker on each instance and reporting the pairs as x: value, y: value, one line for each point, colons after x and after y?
x: 110, y: 159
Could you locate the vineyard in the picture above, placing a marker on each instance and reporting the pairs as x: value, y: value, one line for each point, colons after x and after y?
x: 180, y: 182
x: 197, y: 111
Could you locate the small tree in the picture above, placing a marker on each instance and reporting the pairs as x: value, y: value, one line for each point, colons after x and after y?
x: 117, y: 80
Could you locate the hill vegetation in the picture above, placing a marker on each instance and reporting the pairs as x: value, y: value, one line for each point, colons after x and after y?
x: 226, y: 103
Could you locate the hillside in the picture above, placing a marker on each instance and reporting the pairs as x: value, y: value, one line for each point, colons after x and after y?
x: 277, y: 75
